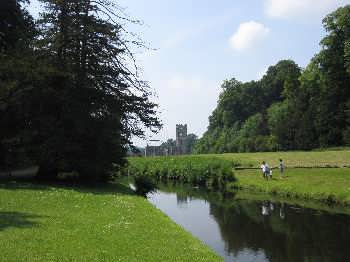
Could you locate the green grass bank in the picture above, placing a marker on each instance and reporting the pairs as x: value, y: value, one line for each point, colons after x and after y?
x: 110, y: 223
x: 315, y: 175
x: 329, y: 185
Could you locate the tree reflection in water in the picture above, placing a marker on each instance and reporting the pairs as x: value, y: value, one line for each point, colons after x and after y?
x: 285, y: 233
x: 268, y: 231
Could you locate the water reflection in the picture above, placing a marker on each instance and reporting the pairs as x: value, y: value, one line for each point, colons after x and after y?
x: 182, y: 201
x: 247, y: 230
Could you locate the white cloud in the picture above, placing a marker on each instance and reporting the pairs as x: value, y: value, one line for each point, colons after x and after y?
x: 248, y: 35
x: 308, y: 9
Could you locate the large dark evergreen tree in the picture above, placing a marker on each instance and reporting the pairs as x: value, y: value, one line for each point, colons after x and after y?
x: 16, y: 26
x: 101, y: 103
x: 84, y: 100
x: 17, y: 33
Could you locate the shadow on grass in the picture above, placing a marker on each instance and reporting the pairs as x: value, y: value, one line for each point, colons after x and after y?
x: 95, y: 188
x: 17, y: 220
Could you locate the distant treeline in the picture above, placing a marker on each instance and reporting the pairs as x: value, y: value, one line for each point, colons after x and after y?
x: 289, y: 108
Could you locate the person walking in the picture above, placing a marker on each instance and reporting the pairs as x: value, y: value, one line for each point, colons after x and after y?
x: 268, y: 172
x: 281, y: 168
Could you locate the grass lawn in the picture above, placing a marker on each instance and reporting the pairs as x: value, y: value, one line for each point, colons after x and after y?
x: 324, y: 184
x: 328, y: 158
x: 58, y: 223
x: 332, y: 158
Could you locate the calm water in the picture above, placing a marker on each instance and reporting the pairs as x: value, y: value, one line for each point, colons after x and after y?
x: 247, y: 231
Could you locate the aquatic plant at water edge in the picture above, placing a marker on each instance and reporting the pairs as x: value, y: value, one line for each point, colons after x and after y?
x: 196, y: 170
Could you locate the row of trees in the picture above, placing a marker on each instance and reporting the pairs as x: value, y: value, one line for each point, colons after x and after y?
x: 70, y: 94
x: 289, y: 108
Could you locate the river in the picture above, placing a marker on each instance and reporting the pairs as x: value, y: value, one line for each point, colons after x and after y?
x: 246, y: 230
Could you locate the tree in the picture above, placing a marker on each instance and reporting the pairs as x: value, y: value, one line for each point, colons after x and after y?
x: 17, y: 33
x: 333, y: 64
x: 346, y: 132
x: 240, y: 120
x: 190, y: 141
x: 16, y: 25
x: 279, y: 117
x: 103, y: 101
x: 280, y: 81
x: 308, y: 106
x: 85, y: 100
x: 253, y: 136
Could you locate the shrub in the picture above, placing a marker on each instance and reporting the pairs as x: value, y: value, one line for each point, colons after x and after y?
x: 144, y: 184
x: 197, y: 170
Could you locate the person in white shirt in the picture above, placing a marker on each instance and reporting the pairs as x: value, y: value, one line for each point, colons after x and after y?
x: 265, y: 170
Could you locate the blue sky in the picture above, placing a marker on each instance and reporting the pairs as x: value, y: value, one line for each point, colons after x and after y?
x: 200, y: 43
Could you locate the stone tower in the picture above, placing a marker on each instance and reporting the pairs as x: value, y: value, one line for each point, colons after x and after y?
x: 181, y: 134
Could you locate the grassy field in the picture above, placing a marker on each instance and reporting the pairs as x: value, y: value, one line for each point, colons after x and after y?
x: 331, y: 185
x: 59, y: 223
x: 330, y: 158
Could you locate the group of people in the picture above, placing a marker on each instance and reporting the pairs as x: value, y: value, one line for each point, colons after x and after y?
x: 267, y: 172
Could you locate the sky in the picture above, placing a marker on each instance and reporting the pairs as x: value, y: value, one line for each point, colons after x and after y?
x: 197, y: 44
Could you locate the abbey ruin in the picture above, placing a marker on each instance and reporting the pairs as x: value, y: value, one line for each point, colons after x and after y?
x: 178, y: 147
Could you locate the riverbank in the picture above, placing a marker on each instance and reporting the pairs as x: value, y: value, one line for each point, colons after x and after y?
x: 328, y: 185
x: 323, y: 176
x: 109, y: 223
